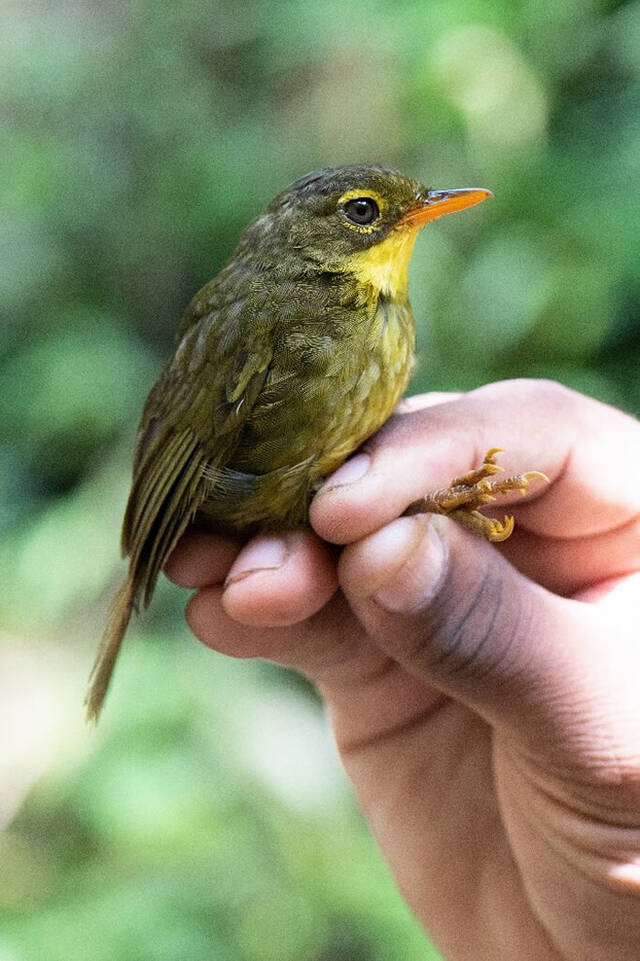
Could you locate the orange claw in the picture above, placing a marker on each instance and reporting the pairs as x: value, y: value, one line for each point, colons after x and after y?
x: 502, y: 531
x: 489, y: 464
x: 536, y: 473
x: 530, y: 474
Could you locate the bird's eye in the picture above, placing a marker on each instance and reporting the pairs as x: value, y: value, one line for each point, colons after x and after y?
x: 361, y: 211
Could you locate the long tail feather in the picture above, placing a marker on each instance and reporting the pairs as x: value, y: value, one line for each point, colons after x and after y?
x: 117, y: 622
x: 167, y: 490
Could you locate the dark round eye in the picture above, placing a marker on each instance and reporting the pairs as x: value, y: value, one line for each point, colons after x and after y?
x: 361, y: 210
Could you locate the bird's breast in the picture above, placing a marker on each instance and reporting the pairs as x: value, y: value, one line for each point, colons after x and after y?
x: 327, y: 392
x: 338, y: 388
x: 373, y: 381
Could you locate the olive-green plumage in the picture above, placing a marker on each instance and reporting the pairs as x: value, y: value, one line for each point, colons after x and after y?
x: 285, y: 363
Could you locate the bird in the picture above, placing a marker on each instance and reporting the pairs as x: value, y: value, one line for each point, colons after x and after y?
x: 285, y: 363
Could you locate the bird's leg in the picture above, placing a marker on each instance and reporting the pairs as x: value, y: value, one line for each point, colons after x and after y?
x: 467, y: 494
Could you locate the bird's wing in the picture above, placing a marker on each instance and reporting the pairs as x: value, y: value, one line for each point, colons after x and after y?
x: 190, y: 425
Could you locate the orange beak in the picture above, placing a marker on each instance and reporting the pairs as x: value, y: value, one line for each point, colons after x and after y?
x: 441, y: 202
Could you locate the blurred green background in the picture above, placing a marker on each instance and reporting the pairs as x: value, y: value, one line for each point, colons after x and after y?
x: 207, y: 817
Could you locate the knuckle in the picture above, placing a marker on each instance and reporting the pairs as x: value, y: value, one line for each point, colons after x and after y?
x: 550, y: 392
x: 406, y: 429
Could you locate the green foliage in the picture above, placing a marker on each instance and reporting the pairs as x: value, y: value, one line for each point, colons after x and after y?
x: 138, y: 140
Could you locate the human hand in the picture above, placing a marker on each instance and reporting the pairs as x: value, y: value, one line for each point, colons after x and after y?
x: 486, y: 701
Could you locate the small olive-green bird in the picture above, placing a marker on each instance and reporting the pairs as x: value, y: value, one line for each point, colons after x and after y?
x: 285, y: 363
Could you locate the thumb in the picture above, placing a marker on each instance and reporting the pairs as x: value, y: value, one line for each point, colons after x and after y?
x: 452, y: 611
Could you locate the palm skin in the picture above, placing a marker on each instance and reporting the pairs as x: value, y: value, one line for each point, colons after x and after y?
x: 486, y: 707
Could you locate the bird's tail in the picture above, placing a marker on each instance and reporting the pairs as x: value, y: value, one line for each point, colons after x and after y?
x: 119, y: 616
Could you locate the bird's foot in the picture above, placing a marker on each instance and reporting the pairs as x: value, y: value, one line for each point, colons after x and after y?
x: 468, y: 494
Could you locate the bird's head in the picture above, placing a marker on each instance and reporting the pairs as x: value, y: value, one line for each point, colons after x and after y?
x: 361, y: 219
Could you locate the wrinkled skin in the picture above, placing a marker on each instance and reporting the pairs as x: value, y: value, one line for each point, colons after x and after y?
x: 485, y: 701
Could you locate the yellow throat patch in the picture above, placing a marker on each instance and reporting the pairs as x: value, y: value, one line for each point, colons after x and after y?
x: 385, y: 266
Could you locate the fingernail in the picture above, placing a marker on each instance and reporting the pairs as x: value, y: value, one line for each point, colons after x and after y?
x: 266, y: 553
x: 414, y: 580
x: 351, y: 471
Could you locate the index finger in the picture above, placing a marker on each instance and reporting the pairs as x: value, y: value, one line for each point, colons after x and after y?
x: 589, y: 451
